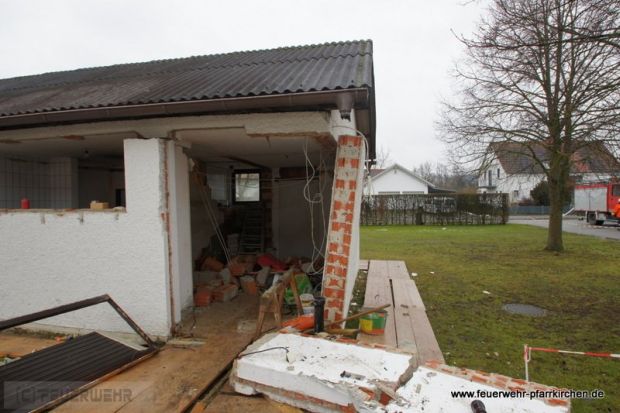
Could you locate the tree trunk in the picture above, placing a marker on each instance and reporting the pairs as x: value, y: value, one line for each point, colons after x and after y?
x: 554, y: 234
x: 558, y: 181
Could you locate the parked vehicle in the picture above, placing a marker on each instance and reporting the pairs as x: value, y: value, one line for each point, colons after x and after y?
x: 597, y: 200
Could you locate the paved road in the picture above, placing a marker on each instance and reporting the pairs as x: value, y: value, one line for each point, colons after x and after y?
x: 572, y: 225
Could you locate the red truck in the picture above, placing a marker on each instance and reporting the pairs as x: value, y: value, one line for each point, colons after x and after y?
x: 597, y: 200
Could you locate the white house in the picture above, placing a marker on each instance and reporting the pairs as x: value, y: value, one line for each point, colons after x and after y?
x: 149, y: 139
x: 513, y: 172
x: 396, y: 180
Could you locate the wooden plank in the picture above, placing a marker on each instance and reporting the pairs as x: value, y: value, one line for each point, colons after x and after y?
x: 397, y: 270
x: 426, y: 342
x: 409, y: 328
x: 409, y: 288
x: 402, y: 309
x: 378, y: 293
x: 229, y: 401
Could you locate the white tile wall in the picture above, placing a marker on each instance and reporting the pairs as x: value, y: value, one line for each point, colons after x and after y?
x: 46, y: 183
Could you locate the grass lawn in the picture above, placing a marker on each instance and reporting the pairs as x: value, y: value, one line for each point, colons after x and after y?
x: 580, y: 288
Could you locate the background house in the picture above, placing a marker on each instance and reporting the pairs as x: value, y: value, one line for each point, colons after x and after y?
x: 513, y: 172
x: 178, y: 148
x: 396, y: 180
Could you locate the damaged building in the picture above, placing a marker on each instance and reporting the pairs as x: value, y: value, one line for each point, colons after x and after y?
x: 123, y: 180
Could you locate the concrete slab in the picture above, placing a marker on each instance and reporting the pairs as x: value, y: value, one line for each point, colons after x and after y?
x: 318, y: 374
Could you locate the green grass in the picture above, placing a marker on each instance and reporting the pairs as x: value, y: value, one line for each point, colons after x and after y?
x: 580, y: 288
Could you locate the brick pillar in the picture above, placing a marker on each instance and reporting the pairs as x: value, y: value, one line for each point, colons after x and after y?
x: 343, y: 235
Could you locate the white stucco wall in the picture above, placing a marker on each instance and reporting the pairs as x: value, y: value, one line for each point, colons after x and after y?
x: 397, y: 181
x: 53, y: 258
x: 522, y: 183
x: 178, y: 199
x: 508, y: 184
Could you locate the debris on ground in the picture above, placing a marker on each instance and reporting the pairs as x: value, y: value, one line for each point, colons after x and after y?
x: 320, y: 374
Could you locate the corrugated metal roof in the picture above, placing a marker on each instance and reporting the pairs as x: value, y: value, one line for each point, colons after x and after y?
x: 323, y: 67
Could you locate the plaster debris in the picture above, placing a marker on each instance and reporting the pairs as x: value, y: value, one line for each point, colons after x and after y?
x: 429, y: 391
x: 320, y: 375
x: 485, y: 292
x: 414, y: 274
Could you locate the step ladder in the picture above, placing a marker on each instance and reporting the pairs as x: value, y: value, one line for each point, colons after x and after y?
x: 252, y: 237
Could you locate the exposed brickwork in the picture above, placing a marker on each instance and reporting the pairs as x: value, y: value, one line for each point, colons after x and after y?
x: 349, y: 160
x: 497, y: 380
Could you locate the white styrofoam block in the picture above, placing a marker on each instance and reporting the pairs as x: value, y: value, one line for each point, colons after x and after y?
x: 429, y: 391
x: 314, y: 366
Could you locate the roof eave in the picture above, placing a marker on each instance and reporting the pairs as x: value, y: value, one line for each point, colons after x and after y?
x: 362, y: 98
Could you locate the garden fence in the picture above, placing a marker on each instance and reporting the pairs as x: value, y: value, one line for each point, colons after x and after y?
x: 435, y: 209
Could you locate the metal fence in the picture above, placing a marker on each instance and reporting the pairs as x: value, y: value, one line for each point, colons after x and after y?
x: 434, y: 209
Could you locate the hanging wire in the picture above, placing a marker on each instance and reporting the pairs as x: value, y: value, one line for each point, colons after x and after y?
x: 209, y: 209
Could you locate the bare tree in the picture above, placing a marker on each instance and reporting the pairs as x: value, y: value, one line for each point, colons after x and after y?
x: 445, y: 176
x: 541, y: 78
x: 383, y: 158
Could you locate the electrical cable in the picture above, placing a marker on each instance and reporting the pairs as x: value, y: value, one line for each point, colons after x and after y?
x: 210, y: 212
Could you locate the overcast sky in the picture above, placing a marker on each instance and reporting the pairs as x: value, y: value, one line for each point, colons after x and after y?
x: 414, y: 48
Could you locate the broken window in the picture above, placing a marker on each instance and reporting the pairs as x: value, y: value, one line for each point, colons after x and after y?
x: 101, y: 179
x: 247, y: 186
x: 61, y: 182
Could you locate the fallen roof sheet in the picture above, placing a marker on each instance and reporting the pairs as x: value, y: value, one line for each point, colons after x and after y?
x: 48, y: 377
x: 40, y: 378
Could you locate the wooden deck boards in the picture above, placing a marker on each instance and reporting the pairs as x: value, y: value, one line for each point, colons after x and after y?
x: 378, y: 293
x: 173, y: 379
x: 17, y: 345
x: 407, y: 327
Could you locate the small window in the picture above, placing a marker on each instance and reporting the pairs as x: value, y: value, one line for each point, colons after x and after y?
x: 615, y: 190
x: 247, y: 186
x: 515, y: 194
x: 498, y: 172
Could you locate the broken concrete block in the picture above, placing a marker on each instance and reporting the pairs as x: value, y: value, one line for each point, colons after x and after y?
x: 248, y: 284
x: 204, y: 277
x: 261, y: 276
x: 320, y: 375
x: 225, y: 292
x: 212, y: 264
x: 430, y: 391
x: 225, y: 275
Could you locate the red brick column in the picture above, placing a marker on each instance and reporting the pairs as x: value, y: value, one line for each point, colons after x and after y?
x: 342, y: 238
